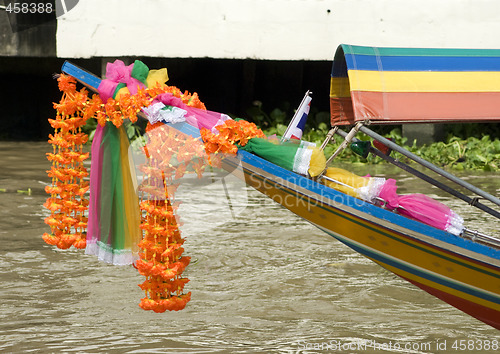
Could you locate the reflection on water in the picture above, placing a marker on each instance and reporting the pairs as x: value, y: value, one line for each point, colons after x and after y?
x: 263, y: 281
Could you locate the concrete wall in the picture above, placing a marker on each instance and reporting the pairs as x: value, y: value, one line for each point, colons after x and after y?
x: 29, y: 35
x: 271, y: 29
x: 282, y: 47
x: 27, y: 62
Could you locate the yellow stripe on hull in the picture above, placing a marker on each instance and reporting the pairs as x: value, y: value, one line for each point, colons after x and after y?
x: 443, y: 288
x: 427, y: 282
x: 383, y: 240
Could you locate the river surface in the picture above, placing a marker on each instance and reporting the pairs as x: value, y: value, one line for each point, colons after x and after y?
x: 262, y: 280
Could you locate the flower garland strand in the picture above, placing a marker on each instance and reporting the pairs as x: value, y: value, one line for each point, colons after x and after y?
x: 169, y: 153
x: 67, y: 202
x: 231, y: 134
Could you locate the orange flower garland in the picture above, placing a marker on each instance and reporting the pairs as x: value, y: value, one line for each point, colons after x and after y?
x: 231, y: 134
x: 161, y: 257
x: 169, y: 153
x: 127, y: 106
x: 67, y: 202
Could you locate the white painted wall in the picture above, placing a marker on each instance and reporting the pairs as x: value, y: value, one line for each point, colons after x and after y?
x: 271, y: 29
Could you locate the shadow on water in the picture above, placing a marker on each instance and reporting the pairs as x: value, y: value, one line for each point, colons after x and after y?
x: 264, y: 280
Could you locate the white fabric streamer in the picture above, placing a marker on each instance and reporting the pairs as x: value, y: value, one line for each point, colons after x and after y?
x: 152, y: 112
x: 455, y: 223
x: 158, y: 112
x: 106, y: 254
x: 372, y: 189
x: 302, y: 159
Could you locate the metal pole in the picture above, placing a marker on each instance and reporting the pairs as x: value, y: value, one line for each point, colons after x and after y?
x: 429, y: 179
x: 347, y: 140
x: 430, y: 166
x: 308, y: 93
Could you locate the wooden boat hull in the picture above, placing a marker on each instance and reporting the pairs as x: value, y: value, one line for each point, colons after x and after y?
x: 458, y: 271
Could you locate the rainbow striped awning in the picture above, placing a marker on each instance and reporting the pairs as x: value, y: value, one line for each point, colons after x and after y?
x: 413, y: 85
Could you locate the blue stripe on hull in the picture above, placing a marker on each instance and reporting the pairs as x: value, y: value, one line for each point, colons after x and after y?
x: 363, y: 207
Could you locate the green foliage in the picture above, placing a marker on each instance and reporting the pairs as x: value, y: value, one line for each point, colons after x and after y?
x: 464, y: 154
x: 89, y: 128
x: 134, y: 131
x: 465, y: 148
x: 476, y: 130
x: 266, y: 121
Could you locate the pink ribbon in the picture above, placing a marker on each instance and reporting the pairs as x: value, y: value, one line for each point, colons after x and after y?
x: 417, y: 206
x: 117, y: 73
x: 170, y: 100
x: 196, y: 117
x: 388, y: 193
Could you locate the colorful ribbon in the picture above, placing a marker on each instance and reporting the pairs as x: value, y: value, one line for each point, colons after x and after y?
x: 119, y: 76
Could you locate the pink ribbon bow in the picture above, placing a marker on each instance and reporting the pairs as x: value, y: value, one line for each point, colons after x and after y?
x: 117, y: 73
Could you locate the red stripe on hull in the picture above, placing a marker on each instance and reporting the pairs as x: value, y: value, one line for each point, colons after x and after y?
x: 482, y: 313
x: 386, y: 107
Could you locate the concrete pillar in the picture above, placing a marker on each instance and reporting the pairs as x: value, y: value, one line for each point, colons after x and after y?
x: 423, y: 133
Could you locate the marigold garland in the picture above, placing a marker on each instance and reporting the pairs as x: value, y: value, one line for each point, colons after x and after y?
x: 67, y: 202
x: 170, y: 154
x: 127, y: 106
x: 231, y: 134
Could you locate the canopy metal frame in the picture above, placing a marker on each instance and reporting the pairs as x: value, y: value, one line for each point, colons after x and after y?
x: 361, y: 127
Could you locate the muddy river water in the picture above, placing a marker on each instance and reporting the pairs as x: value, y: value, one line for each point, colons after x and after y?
x: 262, y: 280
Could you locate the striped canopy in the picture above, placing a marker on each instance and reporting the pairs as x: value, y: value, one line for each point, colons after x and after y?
x: 414, y: 85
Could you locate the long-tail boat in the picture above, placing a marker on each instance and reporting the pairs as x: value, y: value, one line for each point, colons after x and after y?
x: 396, y: 86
